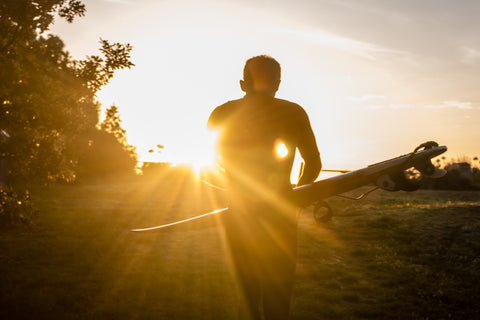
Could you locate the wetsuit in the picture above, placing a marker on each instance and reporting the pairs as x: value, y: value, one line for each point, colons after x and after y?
x: 258, y: 137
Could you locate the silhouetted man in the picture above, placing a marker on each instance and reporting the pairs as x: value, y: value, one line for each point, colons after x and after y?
x: 258, y: 137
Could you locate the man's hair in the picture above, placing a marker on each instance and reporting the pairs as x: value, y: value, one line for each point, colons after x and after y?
x: 261, y: 72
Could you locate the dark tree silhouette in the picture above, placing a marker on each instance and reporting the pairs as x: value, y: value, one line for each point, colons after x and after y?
x: 112, y: 124
x: 47, y: 99
x: 21, y: 21
x: 107, y: 151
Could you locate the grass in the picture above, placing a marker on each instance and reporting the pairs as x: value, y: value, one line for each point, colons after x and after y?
x: 390, y: 256
x: 393, y: 256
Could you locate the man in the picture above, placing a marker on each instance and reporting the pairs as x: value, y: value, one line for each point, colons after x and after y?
x: 258, y: 137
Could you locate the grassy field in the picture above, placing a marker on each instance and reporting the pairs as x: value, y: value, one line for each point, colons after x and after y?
x: 390, y: 256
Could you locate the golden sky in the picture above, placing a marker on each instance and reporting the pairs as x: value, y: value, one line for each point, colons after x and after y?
x: 376, y: 77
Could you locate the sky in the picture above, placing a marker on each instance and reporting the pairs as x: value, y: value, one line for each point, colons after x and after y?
x: 376, y: 77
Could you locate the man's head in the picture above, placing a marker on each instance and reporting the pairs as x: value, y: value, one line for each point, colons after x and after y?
x: 261, y: 74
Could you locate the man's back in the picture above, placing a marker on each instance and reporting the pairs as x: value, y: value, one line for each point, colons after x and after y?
x: 259, y: 135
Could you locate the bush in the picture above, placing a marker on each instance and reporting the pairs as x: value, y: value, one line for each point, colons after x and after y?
x: 104, y: 156
x: 460, y: 175
x: 15, y: 208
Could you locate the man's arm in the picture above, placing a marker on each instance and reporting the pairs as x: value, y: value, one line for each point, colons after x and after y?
x: 309, y: 152
x: 311, y: 170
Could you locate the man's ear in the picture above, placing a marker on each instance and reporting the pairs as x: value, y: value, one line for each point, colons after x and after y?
x: 243, y: 86
x: 277, y: 85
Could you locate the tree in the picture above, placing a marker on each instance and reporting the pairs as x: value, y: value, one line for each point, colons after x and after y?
x: 112, y: 124
x: 108, y: 151
x: 21, y: 21
x: 47, y: 99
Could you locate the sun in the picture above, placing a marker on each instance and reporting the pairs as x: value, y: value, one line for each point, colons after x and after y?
x: 199, y: 152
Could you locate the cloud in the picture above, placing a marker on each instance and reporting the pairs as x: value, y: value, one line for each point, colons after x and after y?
x: 463, y: 105
x: 470, y: 55
x: 330, y: 40
x: 452, y: 104
x: 366, y: 97
x: 119, y: 1
x: 391, y: 106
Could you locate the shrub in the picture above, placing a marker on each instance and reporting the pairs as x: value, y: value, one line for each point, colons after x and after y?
x: 462, y: 174
x: 15, y: 208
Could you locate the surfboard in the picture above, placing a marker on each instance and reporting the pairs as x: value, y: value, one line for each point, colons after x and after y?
x: 388, y: 175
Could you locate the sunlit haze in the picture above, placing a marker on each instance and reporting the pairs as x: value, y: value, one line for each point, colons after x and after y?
x: 376, y: 77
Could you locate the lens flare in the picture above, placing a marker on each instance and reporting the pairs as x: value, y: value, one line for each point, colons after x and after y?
x: 280, y: 150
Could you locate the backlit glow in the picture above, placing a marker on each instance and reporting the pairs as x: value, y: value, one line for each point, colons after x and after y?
x: 280, y: 149
x: 352, y: 82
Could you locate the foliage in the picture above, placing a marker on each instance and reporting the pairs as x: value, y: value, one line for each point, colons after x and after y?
x: 476, y: 176
x: 22, y: 20
x: 47, y: 99
x: 108, y: 151
x: 155, y: 169
x: 15, y: 208
x: 112, y: 124
x: 461, y: 174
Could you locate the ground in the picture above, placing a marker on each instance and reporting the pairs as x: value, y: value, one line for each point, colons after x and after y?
x: 391, y: 256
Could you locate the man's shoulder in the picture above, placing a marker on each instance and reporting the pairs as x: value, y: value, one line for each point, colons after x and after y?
x: 227, y: 108
x: 288, y: 105
x: 229, y: 104
x: 220, y: 113
x: 291, y: 108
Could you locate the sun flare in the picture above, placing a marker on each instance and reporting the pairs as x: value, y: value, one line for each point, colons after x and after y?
x: 199, y: 152
x: 280, y: 149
